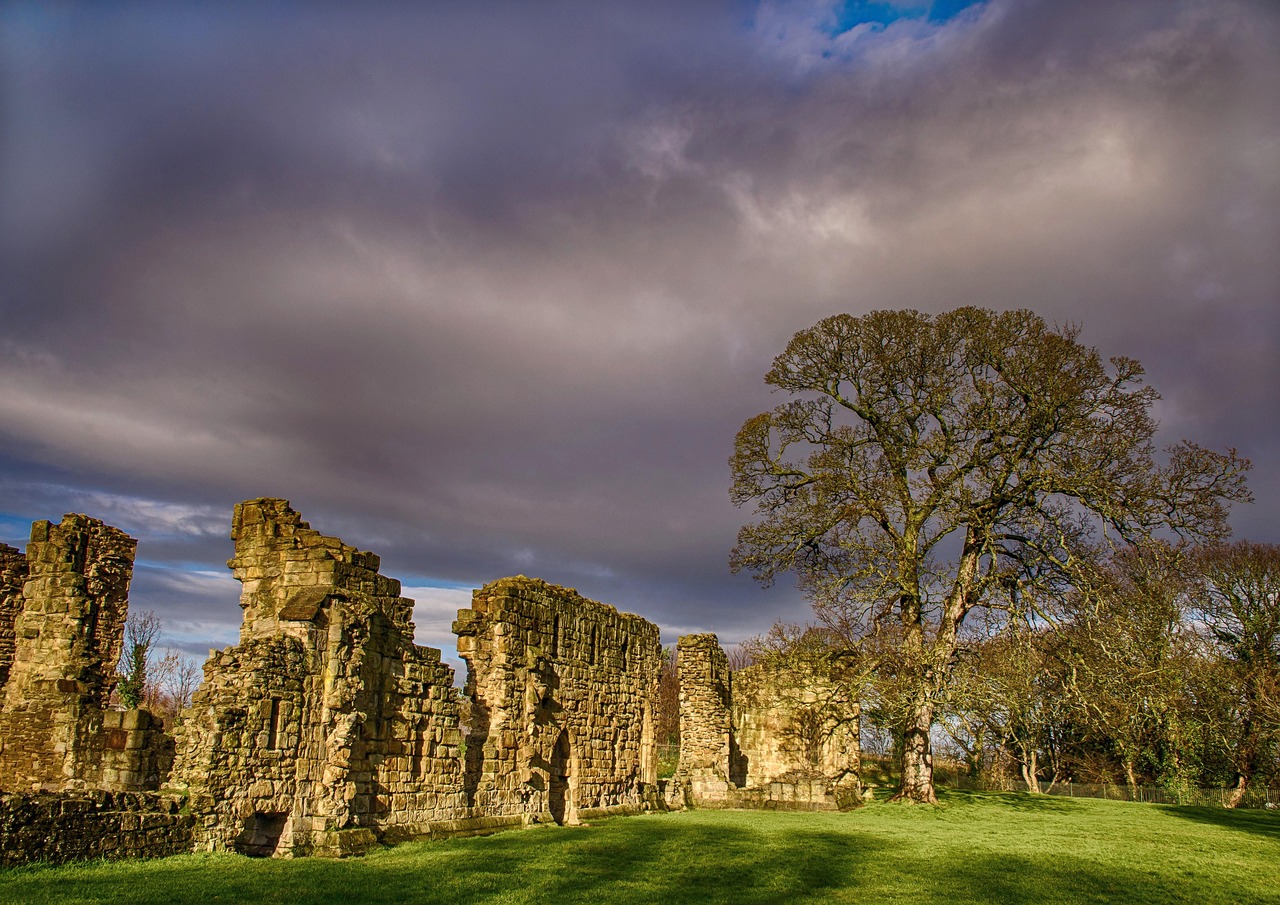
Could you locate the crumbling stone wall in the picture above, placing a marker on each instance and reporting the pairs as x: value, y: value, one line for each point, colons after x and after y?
x: 706, y: 770
x: 13, y: 575
x: 77, y: 826
x: 563, y: 691
x: 795, y: 723
x: 764, y: 736
x: 67, y: 637
x: 326, y: 727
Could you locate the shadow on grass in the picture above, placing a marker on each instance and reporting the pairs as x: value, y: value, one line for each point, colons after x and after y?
x: 672, y: 863
x: 1261, y: 823
x: 1064, y: 880
x: 1017, y: 801
x: 743, y: 858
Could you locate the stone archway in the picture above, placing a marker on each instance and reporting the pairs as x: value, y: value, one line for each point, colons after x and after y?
x: 559, y: 799
x: 261, y: 836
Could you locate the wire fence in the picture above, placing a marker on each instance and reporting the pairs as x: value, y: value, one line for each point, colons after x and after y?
x: 1214, y: 797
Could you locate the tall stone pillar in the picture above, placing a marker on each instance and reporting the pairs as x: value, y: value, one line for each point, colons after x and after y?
x: 67, y: 641
x: 706, y: 732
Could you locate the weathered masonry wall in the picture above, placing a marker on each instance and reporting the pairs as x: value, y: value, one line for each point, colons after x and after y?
x: 706, y: 768
x: 563, y: 691
x: 13, y: 575
x: 326, y: 728
x: 796, y: 727
x: 66, y: 632
x: 762, y: 736
x: 61, y: 827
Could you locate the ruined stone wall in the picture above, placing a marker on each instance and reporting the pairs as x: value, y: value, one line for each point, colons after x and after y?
x: 563, y: 691
x: 764, y: 736
x: 13, y: 575
x: 67, y: 640
x: 707, y: 770
x: 795, y: 723
x: 137, y: 753
x: 326, y: 728
x: 78, y: 826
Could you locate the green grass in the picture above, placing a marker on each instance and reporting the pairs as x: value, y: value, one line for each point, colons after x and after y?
x: 979, y: 847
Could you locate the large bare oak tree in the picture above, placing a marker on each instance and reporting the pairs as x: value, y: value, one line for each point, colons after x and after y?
x: 930, y: 465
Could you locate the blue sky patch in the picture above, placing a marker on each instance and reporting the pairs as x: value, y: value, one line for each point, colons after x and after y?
x: 853, y: 13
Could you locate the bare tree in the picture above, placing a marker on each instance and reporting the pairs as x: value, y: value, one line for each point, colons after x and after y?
x: 929, y: 466
x: 1132, y: 654
x: 667, y: 722
x: 1010, y: 689
x: 1238, y: 598
x: 172, y: 681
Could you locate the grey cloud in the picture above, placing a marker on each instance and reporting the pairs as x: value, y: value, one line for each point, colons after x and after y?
x: 487, y: 289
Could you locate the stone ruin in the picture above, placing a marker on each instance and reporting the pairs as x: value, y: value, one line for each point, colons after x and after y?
x: 327, y: 730
x: 765, y: 736
x: 562, y: 693
x: 62, y: 613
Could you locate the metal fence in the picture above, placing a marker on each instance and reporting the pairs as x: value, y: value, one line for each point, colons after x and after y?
x: 1262, y: 797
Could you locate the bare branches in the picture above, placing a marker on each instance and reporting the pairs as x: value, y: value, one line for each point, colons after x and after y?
x: 928, y: 466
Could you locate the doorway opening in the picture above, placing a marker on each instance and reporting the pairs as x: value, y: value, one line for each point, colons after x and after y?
x: 558, y: 792
x: 261, y: 835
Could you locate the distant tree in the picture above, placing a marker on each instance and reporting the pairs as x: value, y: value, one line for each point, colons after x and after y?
x: 186, y: 678
x: 1238, y: 600
x: 1132, y: 655
x: 667, y: 718
x: 171, y: 682
x: 932, y: 465
x: 1011, y: 689
x: 740, y: 656
x: 141, y: 632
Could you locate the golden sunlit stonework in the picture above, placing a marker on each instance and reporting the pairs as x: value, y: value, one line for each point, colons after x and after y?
x: 327, y: 730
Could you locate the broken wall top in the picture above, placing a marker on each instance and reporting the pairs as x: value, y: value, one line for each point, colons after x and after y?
x: 568, y: 624
x: 75, y: 600
x: 288, y: 570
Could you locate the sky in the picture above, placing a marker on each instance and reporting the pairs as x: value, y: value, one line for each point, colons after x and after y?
x: 488, y: 288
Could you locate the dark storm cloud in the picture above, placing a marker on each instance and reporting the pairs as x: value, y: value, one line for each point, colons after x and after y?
x: 489, y: 288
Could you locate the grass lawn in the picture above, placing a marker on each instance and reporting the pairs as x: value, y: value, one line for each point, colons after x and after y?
x: 976, y: 847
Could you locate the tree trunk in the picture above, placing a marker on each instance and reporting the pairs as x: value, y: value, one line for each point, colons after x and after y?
x: 1237, y: 794
x: 917, y: 759
x: 1131, y: 776
x: 1030, y: 768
